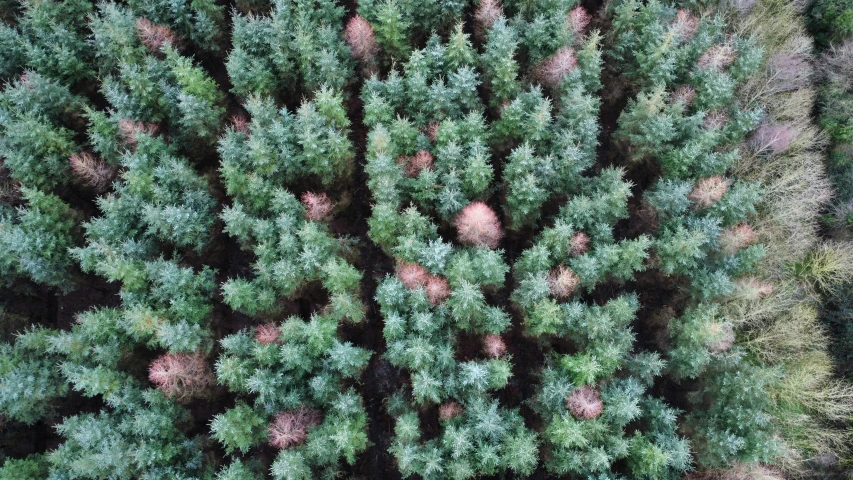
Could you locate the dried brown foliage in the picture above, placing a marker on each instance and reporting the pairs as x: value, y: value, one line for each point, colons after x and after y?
x: 317, y: 206
x: 585, y: 403
x: 290, y: 427
x: 412, y: 275
x: 736, y: 237
x: 494, y: 346
x: 96, y: 172
x: 578, y: 21
x: 181, y: 375
x: 154, y: 36
x: 563, y: 282
x: 437, y: 289
x: 449, y: 410
x: 709, y: 190
x: 557, y: 67
x: 361, y: 39
x: 267, y: 333
x: 478, y: 225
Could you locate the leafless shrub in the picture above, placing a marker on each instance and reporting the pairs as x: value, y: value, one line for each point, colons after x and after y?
x: 788, y: 71
x: 715, y: 119
x: 240, y: 123
x: 431, y: 131
x: 739, y: 472
x: 836, y: 65
x: 741, y: 6
x: 772, y: 138
x: 752, y: 288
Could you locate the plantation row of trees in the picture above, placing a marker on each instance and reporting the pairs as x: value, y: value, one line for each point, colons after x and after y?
x: 433, y: 239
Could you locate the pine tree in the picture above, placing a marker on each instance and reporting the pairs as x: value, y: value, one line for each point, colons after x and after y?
x: 35, y: 240
x: 31, y: 384
x: 300, y: 388
x: 298, y: 44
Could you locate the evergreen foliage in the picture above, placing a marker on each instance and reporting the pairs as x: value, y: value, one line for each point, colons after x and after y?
x: 31, y: 382
x: 292, y: 249
x: 306, y: 367
x: 35, y: 239
x: 296, y: 48
x: 433, y: 239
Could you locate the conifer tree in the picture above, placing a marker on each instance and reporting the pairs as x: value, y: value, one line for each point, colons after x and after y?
x: 31, y: 383
x: 292, y: 240
x: 685, y: 116
x: 35, y: 239
x: 293, y: 50
x: 304, y: 403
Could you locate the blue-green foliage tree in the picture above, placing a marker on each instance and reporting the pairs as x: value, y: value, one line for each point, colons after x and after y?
x: 291, y: 240
x: 37, y: 120
x: 685, y: 119
x: 294, y: 379
x: 38, y: 117
x: 301, y: 378
x: 31, y: 382
x: 730, y: 413
x: 402, y: 25
x: 589, y: 397
x: 35, y: 239
x: 200, y: 21
x: 160, y: 207
x: 579, y: 251
x: 685, y: 73
x: 140, y: 433
x: 592, y: 427
x: 294, y: 49
x: 153, y: 87
x: 543, y: 27
x: 427, y: 142
x: 49, y: 38
x: 33, y: 467
x: 551, y: 130
x: 429, y: 165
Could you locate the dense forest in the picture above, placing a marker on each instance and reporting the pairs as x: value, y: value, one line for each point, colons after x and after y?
x: 426, y: 239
